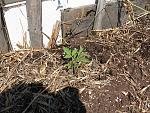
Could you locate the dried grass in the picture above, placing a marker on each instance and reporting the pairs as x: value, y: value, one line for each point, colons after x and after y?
x: 128, y: 58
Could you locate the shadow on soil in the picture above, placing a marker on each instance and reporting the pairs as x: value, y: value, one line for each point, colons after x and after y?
x: 18, y: 98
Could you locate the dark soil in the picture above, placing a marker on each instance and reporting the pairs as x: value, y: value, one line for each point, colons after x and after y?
x: 122, y: 94
x: 128, y: 74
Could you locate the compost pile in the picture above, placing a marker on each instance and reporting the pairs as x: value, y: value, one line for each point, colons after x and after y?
x: 117, y: 79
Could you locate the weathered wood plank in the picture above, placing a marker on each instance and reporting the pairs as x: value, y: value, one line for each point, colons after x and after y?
x: 6, y: 2
x: 5, y: 45
x: 34, y: 14
x: 77, y: 21
x: 100, y: 12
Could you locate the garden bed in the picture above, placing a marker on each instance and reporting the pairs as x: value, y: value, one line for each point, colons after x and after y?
x: 116, y: 80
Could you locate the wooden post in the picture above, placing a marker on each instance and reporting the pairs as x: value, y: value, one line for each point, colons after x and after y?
x: 5, y: 44
x: 34, y: 14
x: 100, y: 12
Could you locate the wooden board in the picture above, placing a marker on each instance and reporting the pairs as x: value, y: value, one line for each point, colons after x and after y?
x: 100, y: 12
x: 5, y: 44
x: 34, y: 14
x: 77, y: 21
x: 6, y: 2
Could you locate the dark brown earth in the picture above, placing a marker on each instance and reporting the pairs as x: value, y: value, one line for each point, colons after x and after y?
x: 122, y: 94
x: 128, y: 74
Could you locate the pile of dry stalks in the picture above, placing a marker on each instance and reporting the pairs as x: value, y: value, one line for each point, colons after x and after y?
x: 35, y: 81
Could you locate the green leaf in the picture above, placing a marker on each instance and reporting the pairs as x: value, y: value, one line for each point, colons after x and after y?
x: 76, y: 57
x: 67, y: 56
x: 67, y: 50
x: 80, y: 51
x: 74, y: 52
x: 80, y: 56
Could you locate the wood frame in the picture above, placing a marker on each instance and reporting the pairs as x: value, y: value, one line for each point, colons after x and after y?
x: 5, y: 44
x: 100, y: 12
x: 7, y: 2
x: 34, y: 15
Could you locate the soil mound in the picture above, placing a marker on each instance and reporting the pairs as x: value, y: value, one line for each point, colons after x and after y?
x: 117, y: 80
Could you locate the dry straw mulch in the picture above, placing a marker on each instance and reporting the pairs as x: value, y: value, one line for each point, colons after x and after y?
x: 35, y: 81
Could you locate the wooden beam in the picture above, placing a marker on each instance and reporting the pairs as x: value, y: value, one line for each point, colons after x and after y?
x: 100, y: 12
x: 7, y: 2
x: 5, y: 45
x: 34, y: 14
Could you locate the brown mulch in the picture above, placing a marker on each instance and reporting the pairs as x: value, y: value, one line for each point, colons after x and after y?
x: 117, y: 80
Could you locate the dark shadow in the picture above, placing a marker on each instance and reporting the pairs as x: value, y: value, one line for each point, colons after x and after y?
x: 16, y: 100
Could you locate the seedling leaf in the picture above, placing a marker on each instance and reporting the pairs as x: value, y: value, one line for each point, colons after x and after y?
x: 76, y: 57
x: 67, y: 51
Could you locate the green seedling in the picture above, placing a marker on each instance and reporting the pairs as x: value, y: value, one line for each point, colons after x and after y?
x: 75, y: 57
